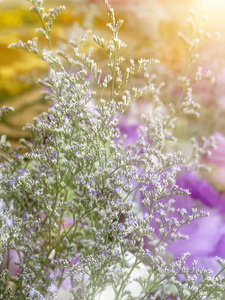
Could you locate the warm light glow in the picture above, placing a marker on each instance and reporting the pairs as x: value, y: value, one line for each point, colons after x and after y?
x: 221, y: 2
x: 215, y: 10
x: 215, y: 5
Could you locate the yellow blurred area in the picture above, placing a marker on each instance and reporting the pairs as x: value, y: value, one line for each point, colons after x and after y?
x: 18, y: 69
x: 14, y: 63
x: 150, y: 31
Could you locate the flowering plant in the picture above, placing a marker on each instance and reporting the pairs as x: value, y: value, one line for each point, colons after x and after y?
x: 86, y: 212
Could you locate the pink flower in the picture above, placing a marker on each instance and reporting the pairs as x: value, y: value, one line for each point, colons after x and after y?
x: 217, y: 162
x: 220, y: 89
x: 9, y: 259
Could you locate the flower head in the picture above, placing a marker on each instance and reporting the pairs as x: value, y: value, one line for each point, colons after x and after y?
x: 31, y: 293
x: 52, y: 288
x: 206, y: 235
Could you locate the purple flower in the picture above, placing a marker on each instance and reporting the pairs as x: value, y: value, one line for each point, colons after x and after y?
x: 131, y: 222
x: 51, y: 276
x: 131, y: 132
x: 206, y: 235
x: 202, y: 191
x: 9, y: 222
x: 21, y: 171
x: 25, y: 215
x: 52, y: 288
x: 120, y: 226
x: 11, y: 182
x: 31, y: 293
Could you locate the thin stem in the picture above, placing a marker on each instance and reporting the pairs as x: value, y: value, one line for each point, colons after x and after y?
x: 60, y: 240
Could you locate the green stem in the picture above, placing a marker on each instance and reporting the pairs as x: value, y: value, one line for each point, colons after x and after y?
x: 117, y: 296
x: 59, y: 241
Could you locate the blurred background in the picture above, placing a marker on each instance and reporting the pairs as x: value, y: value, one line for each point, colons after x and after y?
x: 150, y: 30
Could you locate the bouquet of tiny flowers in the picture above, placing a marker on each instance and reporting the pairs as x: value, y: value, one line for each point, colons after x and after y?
x: 93, y: 207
